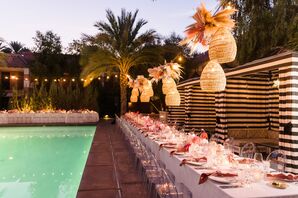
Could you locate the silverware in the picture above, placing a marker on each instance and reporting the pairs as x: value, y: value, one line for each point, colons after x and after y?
x: 203, y: 168
x: 230, y: 186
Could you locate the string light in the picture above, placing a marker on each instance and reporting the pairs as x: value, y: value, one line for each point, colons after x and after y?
x: 46, y: 80
x: 55, y: 80
x: 35, y: 79
x: 99, y: 78
x: 82, y: 79
x: 229, y: 6
x: 13, y: 77
x: 116, y: 76
x: 180, y: 58
x: 26, y: 78
x: 108, y: 77
x: 73, y: 80
x: 6, y: 77
x: 64, y: 80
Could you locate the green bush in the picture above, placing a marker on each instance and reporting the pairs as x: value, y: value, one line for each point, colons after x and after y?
x: 71, y: 96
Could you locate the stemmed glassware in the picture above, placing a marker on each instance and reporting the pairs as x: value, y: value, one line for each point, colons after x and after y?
x: 258, y: 157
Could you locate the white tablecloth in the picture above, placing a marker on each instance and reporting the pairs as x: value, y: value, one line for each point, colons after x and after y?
x: 189, y: 176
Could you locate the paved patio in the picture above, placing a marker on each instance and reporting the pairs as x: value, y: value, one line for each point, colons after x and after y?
x: 109, y: 172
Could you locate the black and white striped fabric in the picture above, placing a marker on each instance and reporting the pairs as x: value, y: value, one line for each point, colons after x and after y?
x: 251, y: 100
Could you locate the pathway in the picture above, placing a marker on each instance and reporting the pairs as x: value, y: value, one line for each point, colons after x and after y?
x: 109, y: 172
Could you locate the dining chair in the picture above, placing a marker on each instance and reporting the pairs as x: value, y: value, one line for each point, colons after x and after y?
x: 166, y: 187
x: 214, y: 138
x: 277, y: 160
x: 229, y: 144
x: 248, y: 150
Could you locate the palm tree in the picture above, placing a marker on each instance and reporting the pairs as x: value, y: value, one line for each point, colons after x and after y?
x: 2, y: 46
x: 16, y: 47
x: 120, y: 46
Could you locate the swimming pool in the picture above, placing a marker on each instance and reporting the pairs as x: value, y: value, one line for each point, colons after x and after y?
x: 43, y: 162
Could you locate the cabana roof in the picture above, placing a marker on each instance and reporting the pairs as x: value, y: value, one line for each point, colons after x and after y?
x: 263, y: 64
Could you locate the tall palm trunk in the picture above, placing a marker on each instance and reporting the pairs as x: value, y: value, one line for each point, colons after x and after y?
x: 123, y: 92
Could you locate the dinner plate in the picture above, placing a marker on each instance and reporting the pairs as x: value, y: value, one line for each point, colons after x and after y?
x: 223, y: 180
x: 281, y: 179
x: 168, y: 146
x: 179, y: 153
x: 196, y: 163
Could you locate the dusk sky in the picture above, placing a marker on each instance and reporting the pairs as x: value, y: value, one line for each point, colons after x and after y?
x: 70, y: 18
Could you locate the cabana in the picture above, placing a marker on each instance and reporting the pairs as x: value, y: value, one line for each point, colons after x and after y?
x: 259, y: 104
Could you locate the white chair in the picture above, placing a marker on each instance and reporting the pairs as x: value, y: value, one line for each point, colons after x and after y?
x: 248, y: 150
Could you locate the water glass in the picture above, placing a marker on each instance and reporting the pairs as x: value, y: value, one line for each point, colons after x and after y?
x: 258, y: 157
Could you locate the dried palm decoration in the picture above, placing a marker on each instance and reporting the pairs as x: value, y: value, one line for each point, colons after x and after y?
x: 156, y: 73
x: 168, y: 70
x: 141, y: 81
x: 206, y: 25
x: 213, y: 77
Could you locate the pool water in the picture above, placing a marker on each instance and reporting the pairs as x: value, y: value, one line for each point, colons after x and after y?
x: 43, y: 162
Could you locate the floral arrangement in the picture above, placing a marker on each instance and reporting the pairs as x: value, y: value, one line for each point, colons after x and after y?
x: 169, y: 70
x: 140, y: 82
x: 206, y: 25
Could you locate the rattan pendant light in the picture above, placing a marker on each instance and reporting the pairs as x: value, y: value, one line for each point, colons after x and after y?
x: 135, y: 92
x: 213, y: 77
x: 148, y: 89
x: 168, y: 84
x: 173, y: 98
x: 133, y: 98
x: 145, y: 97
x: 222, y: 46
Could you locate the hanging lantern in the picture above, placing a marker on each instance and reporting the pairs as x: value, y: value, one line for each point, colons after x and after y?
x: 145, y: 97
x: 133, y: 98
x: 168, y: 84
x: 222, y: 46
x: 148, y: 89
x: 135, y: 92
x: 173, y: 98
x: 213, y: 77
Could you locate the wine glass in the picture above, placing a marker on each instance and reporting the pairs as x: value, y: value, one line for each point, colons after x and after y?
x: 258, y: 157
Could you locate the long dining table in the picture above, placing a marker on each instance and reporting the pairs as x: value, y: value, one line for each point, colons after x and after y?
x: 188, y: 175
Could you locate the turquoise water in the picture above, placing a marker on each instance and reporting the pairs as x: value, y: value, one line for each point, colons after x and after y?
x: 43, y: 162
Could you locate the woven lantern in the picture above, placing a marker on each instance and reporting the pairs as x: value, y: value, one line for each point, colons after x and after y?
x: 222, y: 46
x: 133, y: 98
x: 168, y: 84
x: 148, y: 89
x: 213, y: 77
x: 145, y: 97
x: 173, y: 98
x: 135, y: 92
